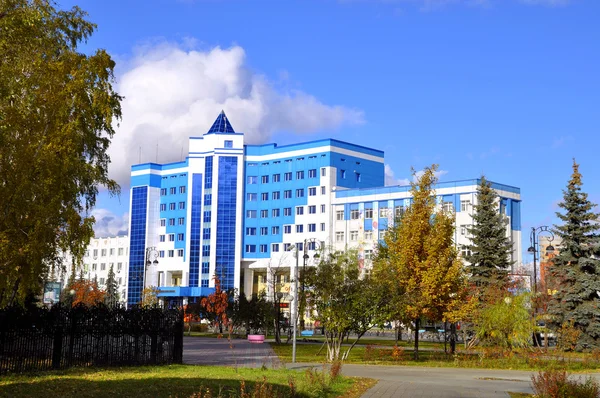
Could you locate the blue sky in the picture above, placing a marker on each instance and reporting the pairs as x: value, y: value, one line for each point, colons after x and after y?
x: 505, y: 88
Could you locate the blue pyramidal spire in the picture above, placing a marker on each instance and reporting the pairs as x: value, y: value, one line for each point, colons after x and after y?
x: 221, y: 125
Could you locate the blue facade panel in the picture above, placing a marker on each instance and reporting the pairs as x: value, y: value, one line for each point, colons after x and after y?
x: 226, y: 220
x: 137, y: 244
x: 515, y: 219
x: 195, y: 237
x: 355, y: 172
x: 173, y: 201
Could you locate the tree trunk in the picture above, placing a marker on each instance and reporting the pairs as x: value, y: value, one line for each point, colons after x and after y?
x: 345, y: 356
x: 452, y: 338
x: 416, y: 351
x: 14, y: 292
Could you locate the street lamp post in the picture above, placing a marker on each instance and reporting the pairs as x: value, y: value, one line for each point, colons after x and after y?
x: 535, y: 245
x: 316, y: 246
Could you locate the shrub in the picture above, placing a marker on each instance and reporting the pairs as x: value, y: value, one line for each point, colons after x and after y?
x: 397, y: 353
x: 335, y: 370
x: 556, y: 384
x: 369, y: 353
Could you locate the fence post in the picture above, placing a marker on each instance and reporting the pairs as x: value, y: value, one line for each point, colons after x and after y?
x: 57, y: 346
x: 178, y: 340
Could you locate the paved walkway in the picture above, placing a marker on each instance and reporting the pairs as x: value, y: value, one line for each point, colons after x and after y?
x: 394, y: 381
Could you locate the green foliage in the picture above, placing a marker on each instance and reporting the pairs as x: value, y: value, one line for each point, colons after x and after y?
x: 575, y: 271
x: 505, y: 321
x: 418, y: 261
x: 111, y: 298
x: 490, y: 247
x: 57, y: 109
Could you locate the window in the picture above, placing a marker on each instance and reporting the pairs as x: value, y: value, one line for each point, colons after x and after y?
x: 299, y: 210
x: 381, y: 235
x: 102, y: 281
x: 322, y: 208
x: 354, y: 214
x: 275, y: 230
x: 300, y: 246
x: 275, y: 247
x: 207, y: 199
x: 276, y: 177
x: 171, y: 221
x: 172, y: 190
x: 181, y: 205
x: 275, y: 195
x: 207, y: 216
x: 120, y: 252
x: 95, y: 253
x: 161, y: 238
x: 205, y: 233
x: 368, y: 235
x: 171, y: 253
x: 119, y: 266
x: 111, y: 252
x: 368, y: 254
x: 353, y: 236
x: 250, y: 213
x: 264, y: 179
x: 287, y: 194
x: 368, y: 213
x: 205, y: 250
x: 399, y: 211
x: 163, y: 207
x: 323, y: 171
x: 300, y: 175
x: 464, y: 251
x: 312, y: 191
x: 102, y: 266
x: 323, y: 190
x: 94, y: 267
x: 228, y: 144
x: 264, y: 214
x: 179, y: 237
x: 448, y: 207
x: 312, y: 209
x: 251, y: 180
x: 264, y: 196
x: 357, y: 177
x: 287, y: 247
x: 287, y: 211
x: 287, y: 176
x: 342, y: 174
x: 312, y: 227
x: 182, y: 189
x: 180, y: 253
x: 299, y: 228
x: 205, y: 267
x: 250, y: 248
x: 263, y: 248
x: 322, y: 227
x: 464, y: 205
x: 250, y: 231
x: 204, y: 283
x: 161, y: 254
x: 163, y: 191
x: 163, y: 222
x: 339, y: 236
x: 275, y: 213
x: 103, y: 253
x: 181, y: 221
x: 300, y: 192
x: 172, y: 206
x: 383, y: 212
x: 339, y: 215
x: 464, y: 230
x: 251, y: 197
x: 264, y: 230
x: 287, y: 229
x: 312, y: 173
x: 171, y: 237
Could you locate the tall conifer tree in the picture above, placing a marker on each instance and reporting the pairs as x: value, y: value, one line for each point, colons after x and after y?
x: 575, y: 271
x: 112, y: 289
x: 490, y: 248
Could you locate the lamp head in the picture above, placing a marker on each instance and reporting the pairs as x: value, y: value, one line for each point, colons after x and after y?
x: 155, y: 262
x: 531, y: 249
x: 549, y: 249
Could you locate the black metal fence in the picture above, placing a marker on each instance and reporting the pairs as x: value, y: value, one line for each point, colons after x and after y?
x: 60, y: 337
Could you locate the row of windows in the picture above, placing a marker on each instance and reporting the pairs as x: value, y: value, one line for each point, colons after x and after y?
x: 287, y: 194
x: 103, y: 252
x: 286, y: 247
x: 102, y: 281
x: 180, y: 221
x: 357, y: 175
x: 170, y: 253
x: 174, y: 176
x: 172, y: 206
x: 368, y: 213
x: 103, y: 266
x: 287, y: 211
x: 180, y: 238
x: 368, y: 235
x: 172, y: 190
x: 287, y: 229
x: 253, y: 164
x: 288, y: 176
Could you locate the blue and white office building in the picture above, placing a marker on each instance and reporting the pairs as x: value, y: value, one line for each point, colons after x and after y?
x: 241, y: 211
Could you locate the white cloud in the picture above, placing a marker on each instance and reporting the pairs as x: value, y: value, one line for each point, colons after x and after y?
x: 109, y: 224
x: 391, y: 180
x: 438, y: 174
x: 172, y: 93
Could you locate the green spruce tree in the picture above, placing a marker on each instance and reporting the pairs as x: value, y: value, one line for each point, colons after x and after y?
x: 112, y: 289
x: 490, y: 249
x: 575, y: 271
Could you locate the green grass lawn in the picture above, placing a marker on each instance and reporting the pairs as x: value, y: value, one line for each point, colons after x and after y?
x: 381, y: 355
x: 175, y: 381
